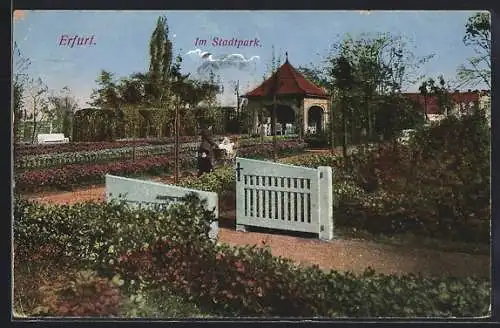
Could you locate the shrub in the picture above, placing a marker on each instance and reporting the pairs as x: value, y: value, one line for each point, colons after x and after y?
x: 158, y: 303
x: 263, y: 151
x: 444, y: 177
x: 437, y: 186
x: 170, y: 251
x: 320, y: 140
x: 222, y: 181
x: 79, y: 294
x: 94, y: 234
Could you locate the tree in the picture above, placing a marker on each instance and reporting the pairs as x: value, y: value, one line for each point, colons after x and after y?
x: 152, y: 91
x: 158, y: 88
x: 381, y: 65
x: 398, y: 113
x: 478, y: 37
x: 160, y: 64
x: 132, y: 89
x: 177, y: 86
x: 315, y: 75
x: 20, y: 79
x: 18, y: 104
x: 198, y: 99
x: 424, y: 91
x: 37, y: 91
x: 344, y: 79
x: 107, y: 95
x: 429, y: 88
x: 63, y: 106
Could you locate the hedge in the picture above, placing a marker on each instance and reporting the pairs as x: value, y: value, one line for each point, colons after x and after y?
x: 438, y: 185
x: 170, y: 250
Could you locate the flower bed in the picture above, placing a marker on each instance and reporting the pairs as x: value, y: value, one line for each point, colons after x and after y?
x: 93, y: 157
x: 25, y: 150
x: 29, y: 162
x: 72, y: 175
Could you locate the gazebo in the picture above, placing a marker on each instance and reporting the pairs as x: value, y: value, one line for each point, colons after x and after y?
x: 299, y: 102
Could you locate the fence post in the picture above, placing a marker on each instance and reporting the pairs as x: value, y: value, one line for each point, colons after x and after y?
x: 326, y: 203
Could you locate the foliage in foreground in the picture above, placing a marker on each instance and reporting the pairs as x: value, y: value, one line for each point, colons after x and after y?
x: 170, y: 251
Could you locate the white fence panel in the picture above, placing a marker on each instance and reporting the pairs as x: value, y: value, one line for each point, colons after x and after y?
x: 285, y: 197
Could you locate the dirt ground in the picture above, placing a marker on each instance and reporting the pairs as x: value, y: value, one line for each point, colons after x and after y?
x: 339, y: 254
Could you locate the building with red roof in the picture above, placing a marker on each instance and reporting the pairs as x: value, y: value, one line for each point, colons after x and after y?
x: 290, y: 83
x: 299, y: 102
x: 461, y: 102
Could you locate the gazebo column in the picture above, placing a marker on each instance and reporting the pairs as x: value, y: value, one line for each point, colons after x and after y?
x: 305, y: 118
x: 254, y: 120
x: 325, y: 117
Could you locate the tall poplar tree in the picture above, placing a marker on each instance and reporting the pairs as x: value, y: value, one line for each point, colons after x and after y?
x: 160, y: 71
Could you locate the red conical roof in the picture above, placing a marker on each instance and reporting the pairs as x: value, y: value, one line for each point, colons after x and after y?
x: 290, y: 82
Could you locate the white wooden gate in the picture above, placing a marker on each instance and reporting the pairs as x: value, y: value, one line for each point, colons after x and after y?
x: 285, y: 197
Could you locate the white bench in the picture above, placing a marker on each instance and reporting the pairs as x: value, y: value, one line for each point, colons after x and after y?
x: 289, y: 129
x: 311, y: 129
x: 279, y: 129
x: 52, y: 138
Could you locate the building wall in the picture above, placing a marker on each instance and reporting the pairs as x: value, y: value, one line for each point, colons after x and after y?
x: 463, y: 103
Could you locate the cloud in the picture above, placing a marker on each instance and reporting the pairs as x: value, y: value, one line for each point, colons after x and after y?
x: 198, y: 53
x: 19, y: 15
x: 212, y: 62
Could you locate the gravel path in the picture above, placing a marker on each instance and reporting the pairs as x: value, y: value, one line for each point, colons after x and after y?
x: 356, y: 256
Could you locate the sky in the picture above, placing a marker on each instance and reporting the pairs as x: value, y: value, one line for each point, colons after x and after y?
x: 120, y: 42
